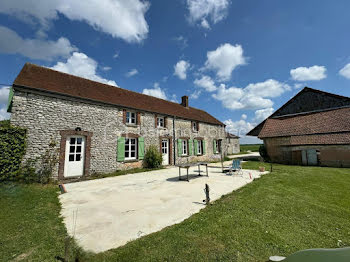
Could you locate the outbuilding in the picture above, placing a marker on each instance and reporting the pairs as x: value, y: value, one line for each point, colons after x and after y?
x: 313, y: 128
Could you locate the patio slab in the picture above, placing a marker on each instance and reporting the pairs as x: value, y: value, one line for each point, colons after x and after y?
x: 107, y: 213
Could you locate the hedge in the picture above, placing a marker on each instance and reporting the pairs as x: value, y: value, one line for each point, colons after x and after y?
x: 12, y: 149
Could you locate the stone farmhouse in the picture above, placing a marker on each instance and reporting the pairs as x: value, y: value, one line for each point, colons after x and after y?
x: 100, y: 128
x: 313, y: 128
x: 232, y: 142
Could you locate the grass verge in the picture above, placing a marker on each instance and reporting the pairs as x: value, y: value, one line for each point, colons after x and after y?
x: 291, y: 209
x: 31, y: 228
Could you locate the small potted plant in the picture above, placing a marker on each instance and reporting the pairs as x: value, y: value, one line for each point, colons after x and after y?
x: 261, y: 168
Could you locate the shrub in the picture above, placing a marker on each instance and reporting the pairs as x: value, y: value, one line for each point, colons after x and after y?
x: 48, y: 161
x: 153, y: 158
x: 263, y: 153
x: 40, y: 169
x: 12, y: 148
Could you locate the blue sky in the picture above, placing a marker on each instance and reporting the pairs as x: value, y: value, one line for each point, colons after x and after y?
x: 238, y: 60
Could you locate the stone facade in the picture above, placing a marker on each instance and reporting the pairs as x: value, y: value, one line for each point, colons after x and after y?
x: 46, y: 116
x: 232, y: 145
x: 280, y: 150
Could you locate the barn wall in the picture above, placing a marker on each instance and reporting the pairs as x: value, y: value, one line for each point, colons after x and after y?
x: 310, y: 100
x: 280, y: 151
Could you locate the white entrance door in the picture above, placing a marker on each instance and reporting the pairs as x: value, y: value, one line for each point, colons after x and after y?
x: 165, y: 151
x: 74, y: 160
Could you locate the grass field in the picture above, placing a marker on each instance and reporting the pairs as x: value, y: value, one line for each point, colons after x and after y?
x: 290, y: 209
x: 252, y: 148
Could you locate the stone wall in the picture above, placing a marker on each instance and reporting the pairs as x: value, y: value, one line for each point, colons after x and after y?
x: 44, y: 116
x: 232, y: 145
x: 280, y: 151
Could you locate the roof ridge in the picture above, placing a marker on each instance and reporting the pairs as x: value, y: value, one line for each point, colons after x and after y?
x: 311, y: 112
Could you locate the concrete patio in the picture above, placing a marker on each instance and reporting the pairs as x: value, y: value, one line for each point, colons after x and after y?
x: 107, y: 213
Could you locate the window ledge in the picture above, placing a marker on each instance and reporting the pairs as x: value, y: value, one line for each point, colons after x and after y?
x: 131, y: 160
x: 132, y: 125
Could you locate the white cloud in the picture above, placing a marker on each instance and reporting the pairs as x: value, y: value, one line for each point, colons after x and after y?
x: 119, y: 18
x: 116, y: 55
x: 34, y: 48
x: 81, y: 65
x: 224, y: 60
x: 204, y: 10
x: 254, y: 96
x: 195, y: 94
x: 173, y: 98
x: 313, y: 73
x: 244, y: 116
x: 269, y: 88
x: 182, y: 41
x: 262, y: 114
x: 180, y: 69
x: 132, y: 72
x: 206, y: 82
x: 4, y: 94
x: 241, y: 128
x: 106, y: 68
x: 345, y: 71
x: 297, y: 86
x: 205, y: 24
x: 156, y: 91
x: 3, y: 113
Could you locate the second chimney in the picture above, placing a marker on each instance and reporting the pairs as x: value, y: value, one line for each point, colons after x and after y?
x: 184, y: 101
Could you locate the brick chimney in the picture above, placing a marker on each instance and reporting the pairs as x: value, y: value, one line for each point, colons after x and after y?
x: 184, y: 101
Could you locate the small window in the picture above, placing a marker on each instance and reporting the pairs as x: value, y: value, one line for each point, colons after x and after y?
x: 218, y: 146
x: 160, y: 121
x: 200, y: 147
x: 130, y: 148
x: 130, y: 117
x: 184, y: 147
x: 195, y: 126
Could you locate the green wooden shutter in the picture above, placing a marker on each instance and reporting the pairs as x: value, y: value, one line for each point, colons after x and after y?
x: 141, y: 148
x: 121, y: 149
x: 9, y: 103
x: 190, y: 147
x: 195, y: 147
x: 204, y: 148
x: 179, y: 147
x: 214, y: 146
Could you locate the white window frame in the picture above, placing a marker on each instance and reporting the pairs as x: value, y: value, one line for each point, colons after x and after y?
x: 159, y: 122
x: 184, y: 147
x: 195, y: 126
x: 200, y: 147
x: 131, y: 117
x: 128, y: 151
x: 217, y: 146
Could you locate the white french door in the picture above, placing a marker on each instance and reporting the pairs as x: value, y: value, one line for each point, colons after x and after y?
x: 165, y: 151
x: 74, y: 158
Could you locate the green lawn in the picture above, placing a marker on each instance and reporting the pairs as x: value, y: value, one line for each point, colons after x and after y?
x: 290, y: 209
x: 252, y: 148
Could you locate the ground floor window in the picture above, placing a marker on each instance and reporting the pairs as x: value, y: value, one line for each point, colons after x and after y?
x: 200, y: 147
x: 184, y: 147
x: 217, y: 146
x: 130, y: 148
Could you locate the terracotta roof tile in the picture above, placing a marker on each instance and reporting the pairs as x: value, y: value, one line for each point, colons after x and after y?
x: 331, y: 121
x: 323, y: 139
x: 45, y: 79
